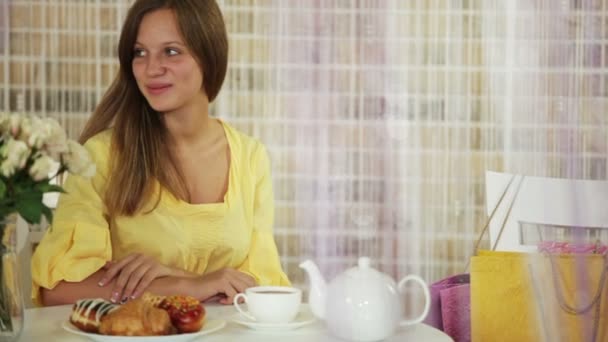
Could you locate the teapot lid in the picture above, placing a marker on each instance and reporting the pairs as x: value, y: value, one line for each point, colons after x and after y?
x: 363, y: 270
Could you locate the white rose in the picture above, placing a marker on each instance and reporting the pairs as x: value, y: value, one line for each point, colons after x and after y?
x: 37, y: 134
x: 77, y: 160
x: 47, y: 135
x: 14, y: 157
x: 43, y: 168
x: 26, y: 129
x: 56, y: 141
x: 15, y: 124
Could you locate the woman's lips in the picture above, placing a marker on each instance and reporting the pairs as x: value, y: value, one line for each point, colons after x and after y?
x: 157, y: 89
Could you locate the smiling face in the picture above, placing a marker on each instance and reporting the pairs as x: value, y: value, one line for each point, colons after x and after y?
x: 165, y: 71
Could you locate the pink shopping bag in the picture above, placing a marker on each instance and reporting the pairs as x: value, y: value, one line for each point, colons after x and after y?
x: 451, y: 307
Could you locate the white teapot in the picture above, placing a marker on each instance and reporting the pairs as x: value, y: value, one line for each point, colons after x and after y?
x: 360, y: 304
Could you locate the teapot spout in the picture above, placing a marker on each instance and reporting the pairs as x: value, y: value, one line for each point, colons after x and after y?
x: 318, y: 288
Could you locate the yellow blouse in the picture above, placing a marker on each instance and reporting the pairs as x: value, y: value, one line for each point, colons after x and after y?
x: 198, y: 238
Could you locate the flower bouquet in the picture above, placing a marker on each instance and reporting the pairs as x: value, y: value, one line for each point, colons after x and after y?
x: 33, y: 152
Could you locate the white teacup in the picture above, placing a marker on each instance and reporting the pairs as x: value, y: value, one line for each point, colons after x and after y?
x: 270, y: 304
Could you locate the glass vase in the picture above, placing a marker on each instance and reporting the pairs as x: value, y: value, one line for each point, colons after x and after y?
x: 11, y: 296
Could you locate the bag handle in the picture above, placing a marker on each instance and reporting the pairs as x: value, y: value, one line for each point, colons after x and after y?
x: 596, y: 301
x: 491, y: 216
x: 560, y: 295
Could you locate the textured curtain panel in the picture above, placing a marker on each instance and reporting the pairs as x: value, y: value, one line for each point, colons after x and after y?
x: 383, y: 98
x: 546, y: 84
x: 380, y: 116
x: 62, y: 57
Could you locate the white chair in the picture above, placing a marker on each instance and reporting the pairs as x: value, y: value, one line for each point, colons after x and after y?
x: 545, y: 209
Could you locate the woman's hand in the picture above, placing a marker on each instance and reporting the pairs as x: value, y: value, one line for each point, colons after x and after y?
x: 133, y: 275
x: 226, y: 283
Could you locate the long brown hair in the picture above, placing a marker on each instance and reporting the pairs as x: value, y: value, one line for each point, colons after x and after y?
x: 139, y: 155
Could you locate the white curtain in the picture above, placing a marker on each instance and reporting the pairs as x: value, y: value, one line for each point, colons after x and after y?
x: 384, y: 101
x: 546, y: 79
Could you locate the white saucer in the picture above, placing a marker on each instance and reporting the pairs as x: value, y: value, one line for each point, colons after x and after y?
x: 303, y: 318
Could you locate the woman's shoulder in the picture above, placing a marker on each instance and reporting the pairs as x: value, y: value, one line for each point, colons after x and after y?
x: 99, y: 147
x: 102, y: 139
x: 243, y: 145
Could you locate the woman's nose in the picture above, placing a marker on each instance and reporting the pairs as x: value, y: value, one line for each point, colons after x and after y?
x: 155, y: 66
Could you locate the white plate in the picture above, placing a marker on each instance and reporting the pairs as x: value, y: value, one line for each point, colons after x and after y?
x: 209, y: 327
x: 303, y: 318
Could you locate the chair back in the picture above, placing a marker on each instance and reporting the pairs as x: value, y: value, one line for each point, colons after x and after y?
x: 546, y: 209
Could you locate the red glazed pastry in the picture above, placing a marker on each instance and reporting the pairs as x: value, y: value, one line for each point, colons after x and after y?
x: 187, y: 313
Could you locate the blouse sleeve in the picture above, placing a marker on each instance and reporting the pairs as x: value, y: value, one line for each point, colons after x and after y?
x: 78, y: 242
x: 263, y: 262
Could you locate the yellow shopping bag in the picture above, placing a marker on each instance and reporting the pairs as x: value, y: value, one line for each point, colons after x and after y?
x: 538, y: 297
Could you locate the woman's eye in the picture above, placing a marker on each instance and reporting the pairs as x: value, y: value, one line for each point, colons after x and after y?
x: 139, y: 53
x: 171, y: 52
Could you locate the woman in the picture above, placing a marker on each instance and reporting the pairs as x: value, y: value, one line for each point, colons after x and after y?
x: 181, y: 203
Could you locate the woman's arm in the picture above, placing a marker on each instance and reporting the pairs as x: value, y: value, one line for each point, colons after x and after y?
x: 69, y: 292
x: 78, y: 242
x: 227, y: 282
x: 263, y: 261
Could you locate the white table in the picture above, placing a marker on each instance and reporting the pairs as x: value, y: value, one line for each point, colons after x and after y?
x: 44, y: 324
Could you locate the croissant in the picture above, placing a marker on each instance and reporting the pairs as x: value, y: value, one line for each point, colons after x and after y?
x: 153, y: 299
x: 137, y: 318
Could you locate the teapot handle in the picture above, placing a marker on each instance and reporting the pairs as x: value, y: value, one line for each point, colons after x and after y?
x: 427, y: 298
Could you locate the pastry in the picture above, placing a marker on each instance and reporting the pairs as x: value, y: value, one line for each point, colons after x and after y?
x: 149, y: 315
x: 187, y: 313
x: 87, y: 313
x: 153, y: 299
x: 137, y: 318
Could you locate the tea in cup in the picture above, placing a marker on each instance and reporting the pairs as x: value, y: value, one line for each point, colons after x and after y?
x: 270, y: 304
